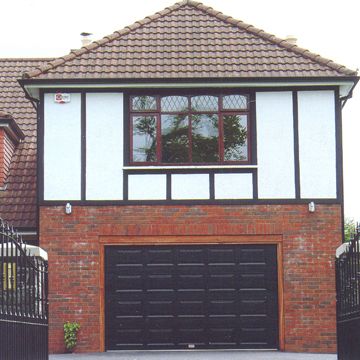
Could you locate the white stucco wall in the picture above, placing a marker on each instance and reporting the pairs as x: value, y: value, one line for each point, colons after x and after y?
x: 104, y: 146
x: 147, y: 187
x: 233, y: 186
x: 190, y: 186
x: 275, y: 145
x: 317, y: 144
x: 62, y: 148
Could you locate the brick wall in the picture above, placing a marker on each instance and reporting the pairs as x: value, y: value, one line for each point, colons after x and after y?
x: 308, y: 241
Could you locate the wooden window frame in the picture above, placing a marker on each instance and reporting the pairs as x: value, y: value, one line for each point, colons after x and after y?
x: 220, y: 113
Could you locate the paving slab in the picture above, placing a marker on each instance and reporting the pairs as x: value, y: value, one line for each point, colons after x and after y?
x: 195, y: 355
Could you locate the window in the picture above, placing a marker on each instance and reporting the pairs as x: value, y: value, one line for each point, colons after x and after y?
x: 9, y: 276
x: 189, y: 129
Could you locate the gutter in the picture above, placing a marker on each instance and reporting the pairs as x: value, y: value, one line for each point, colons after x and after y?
x: 34, y: 102
x: 344, y: 99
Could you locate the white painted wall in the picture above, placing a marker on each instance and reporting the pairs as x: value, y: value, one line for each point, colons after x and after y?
x: 233, y: 186
x: 104, y: 146
x: 147, y: 187
x: 62, y: 148
x: 275, y: 145
x: 190, y: 186
x: 317, y: 144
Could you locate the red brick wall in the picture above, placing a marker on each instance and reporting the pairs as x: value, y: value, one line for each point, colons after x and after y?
x: 309, y: 241
x: 7, y: 148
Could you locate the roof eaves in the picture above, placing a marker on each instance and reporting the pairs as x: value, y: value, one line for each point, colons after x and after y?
x: 10, y: 127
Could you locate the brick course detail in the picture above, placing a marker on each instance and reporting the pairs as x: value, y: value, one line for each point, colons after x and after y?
x: 309, y: 241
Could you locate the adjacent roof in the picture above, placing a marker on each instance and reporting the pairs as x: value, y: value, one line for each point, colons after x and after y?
x: 18, y: 199
x: 4, y: 115
x: 189, y: 40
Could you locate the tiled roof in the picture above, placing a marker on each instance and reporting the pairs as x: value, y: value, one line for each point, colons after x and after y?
x: 189, y: 40
x: 18, y: 199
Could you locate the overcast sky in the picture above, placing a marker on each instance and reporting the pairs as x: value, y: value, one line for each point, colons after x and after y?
x: 43, y: 28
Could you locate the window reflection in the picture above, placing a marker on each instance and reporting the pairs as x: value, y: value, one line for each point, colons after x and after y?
x: 175, y: 138
x: 144, y: 138
x: 174, y: 104
x: 235, y: 137
x: 143, y: 103
x: 204, y: 103
x: 235, y: 102
x: 189, y: 129
x: 205, y: 134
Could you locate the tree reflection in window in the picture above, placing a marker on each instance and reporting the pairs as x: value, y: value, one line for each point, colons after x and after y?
x: 144, y: 139
x: 183, y: 129
x: 205, y: 134
x: 235, y: 137
x: 175, y: 138
x: 143, y: 103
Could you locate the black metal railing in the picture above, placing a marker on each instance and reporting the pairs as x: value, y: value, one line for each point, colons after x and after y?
x: 23, y: 298
x: 347, y: 266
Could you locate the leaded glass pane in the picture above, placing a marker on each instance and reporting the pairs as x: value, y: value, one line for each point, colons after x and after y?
x: 235, y: 138
x: 144, y: 138
x: 205, y: 134
x: 175, y: 138
x: 204, y: 103
x: 235, y: 102
x: 174, y: 104
x: 143, y: 103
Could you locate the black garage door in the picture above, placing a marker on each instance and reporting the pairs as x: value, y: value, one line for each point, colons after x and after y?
x: 176, y: 297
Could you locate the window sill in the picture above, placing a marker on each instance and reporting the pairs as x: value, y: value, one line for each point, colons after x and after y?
x: 159, y: 167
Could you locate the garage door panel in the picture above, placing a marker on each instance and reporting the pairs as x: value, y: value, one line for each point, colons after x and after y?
x: 222, y: 281
x: 129, y: 281
x: 127, y: 269
x: 222, y: 307
x: 125, y: 323
x: 159, y: 282
x: 190, y: 269
x: 130, y: 335
x: 211, y: 296
x: 124, y: 256
x: 191, y: 281
x: 159, y: 294
x: 191, y: 255
x: 222, y: 294
x: 252, y: 255
x: 191, y: 307
x: 159, y: 255
x: 190, y: 294
x: 221, y: 255
x: 193, y: 335
x: 159, y: 269
x: 254, y: 306
x: 223, y: 335
x: 129, y: 308
x: 159, y: 307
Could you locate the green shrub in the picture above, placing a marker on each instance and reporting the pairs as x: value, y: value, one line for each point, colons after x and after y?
x: 70, y: 334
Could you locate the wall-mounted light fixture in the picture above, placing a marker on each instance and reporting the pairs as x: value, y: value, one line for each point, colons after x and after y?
x: 312, y: 207
x: 68, y: 209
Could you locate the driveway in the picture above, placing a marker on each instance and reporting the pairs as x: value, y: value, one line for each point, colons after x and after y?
x: 195, y: 355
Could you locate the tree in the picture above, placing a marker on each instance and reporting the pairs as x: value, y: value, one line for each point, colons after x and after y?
x: 349, y: 228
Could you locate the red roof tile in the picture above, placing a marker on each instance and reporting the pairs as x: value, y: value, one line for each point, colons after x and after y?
x: 18, y: 198
x: 189, y: 40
